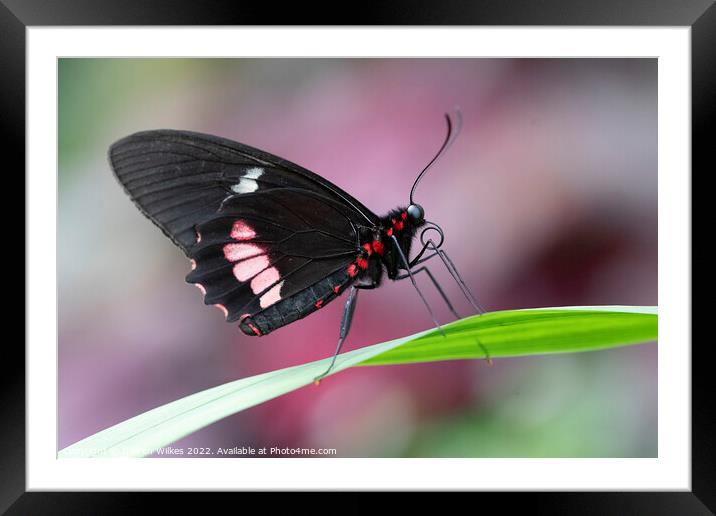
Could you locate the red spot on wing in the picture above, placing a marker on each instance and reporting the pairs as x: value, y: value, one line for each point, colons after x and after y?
x: 336, y: 289
x: 352, y: 270
x: 368, y: 249
x: 254, y: 329
x: 389, y: 231
x: 362, y: 263
x: 319, y: 303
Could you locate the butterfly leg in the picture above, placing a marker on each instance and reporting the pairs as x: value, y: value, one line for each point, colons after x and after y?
x: 437, y: 286
x: 410, y: 274
x: 450, y: 266
x: 345, y: 327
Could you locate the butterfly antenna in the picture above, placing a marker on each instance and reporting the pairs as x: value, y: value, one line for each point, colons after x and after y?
x: 449, y: 138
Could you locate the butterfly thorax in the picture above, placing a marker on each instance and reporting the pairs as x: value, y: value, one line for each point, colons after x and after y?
x: 378, y: 248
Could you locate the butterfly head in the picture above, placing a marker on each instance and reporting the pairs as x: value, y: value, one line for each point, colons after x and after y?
x: 416, y: 214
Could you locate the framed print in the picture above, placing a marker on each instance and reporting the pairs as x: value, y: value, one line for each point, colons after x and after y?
x: 510, y: 204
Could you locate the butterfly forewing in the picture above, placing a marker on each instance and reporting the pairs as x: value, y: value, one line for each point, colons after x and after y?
x: 179, y: 178
x: 270, y: 242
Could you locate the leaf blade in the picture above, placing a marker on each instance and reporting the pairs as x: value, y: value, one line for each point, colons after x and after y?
x: 508, y: 333
x: 526, y: 332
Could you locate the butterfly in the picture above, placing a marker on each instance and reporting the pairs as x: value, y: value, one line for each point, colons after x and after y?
x: 270, y: 242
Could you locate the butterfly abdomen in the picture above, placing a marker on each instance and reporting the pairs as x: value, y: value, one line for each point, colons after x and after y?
x: 297, y: 306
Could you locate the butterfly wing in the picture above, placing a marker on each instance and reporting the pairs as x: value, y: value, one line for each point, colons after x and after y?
x: 270, y: 242
x: 179, y: 179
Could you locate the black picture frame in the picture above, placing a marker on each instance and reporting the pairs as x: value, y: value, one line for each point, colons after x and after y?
x: 16, y: 15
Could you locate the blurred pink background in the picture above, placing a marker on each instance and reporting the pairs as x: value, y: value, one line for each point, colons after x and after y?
x: 547, y: 198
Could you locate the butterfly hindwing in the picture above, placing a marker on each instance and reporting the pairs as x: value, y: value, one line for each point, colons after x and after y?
x: 267, y: 246
x: 270, y: 242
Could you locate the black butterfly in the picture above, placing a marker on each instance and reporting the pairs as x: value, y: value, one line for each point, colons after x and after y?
x: 270, y: 242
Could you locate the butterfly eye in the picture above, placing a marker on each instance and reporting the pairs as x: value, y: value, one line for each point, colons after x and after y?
x: 416, y: 213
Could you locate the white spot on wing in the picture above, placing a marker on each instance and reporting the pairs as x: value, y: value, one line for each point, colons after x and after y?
x: 245, y: 186
x: 254, y: 173
x: 272, y: 296
x: 247, y: 183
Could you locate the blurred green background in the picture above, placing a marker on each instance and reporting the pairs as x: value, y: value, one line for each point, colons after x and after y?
x: 548, y: 198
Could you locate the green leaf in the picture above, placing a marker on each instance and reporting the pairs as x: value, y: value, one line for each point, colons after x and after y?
x: 514, y: 333
x: 496, y: 334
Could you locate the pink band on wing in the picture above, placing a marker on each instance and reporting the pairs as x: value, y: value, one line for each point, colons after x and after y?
x: 236, y: 252
x: 264, y: 280
x: 247, y: 269
x: 272, y: 296
x: 242, y: 231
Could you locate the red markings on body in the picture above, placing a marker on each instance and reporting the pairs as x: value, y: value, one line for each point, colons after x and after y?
x: 397, y: 224
x: 389, y: 231
x: 362, y: 263
x: 254, y: 329
x: 250, y: 325
x: 378, y: 247
x: 319, y: 303
x: 368, y: 249
x: 242, y: 231
x: 352, y: 270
